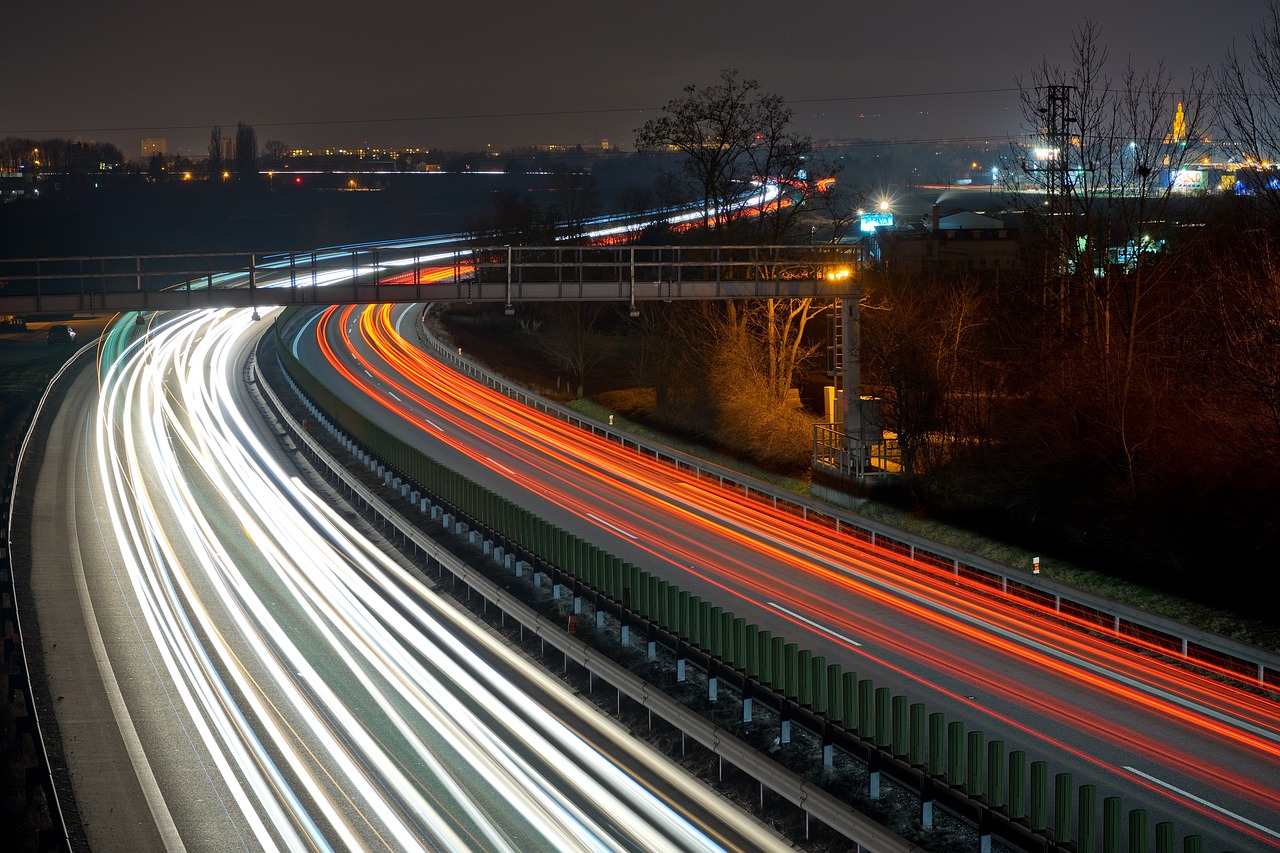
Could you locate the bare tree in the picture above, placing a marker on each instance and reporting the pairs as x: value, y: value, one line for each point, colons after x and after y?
x: 15, y: 153
x: 246, y: 153
x: 1249, y: 104
x: 577, y: 199
x: 568, y: 337
x: 730, y: 136
x: 273, y: 153
x: 1107, y: 156
x: 735, y: 140
x: 155, y: 166
x: 838, y: 207
x: 1104, y: 155
x: 1240, y: 308
x: 215, y: 154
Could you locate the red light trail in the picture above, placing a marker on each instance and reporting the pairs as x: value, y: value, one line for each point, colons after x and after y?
x: 761, y: 555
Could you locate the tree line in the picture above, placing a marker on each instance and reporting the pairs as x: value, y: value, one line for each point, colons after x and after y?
x: 1119, y: 394
x: 22, y: 154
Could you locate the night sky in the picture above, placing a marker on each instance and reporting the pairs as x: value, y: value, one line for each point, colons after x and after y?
x: 452, y: 75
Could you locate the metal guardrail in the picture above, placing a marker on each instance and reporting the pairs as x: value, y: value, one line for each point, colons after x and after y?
x: 58, y: 833
x: 816, y: 802
x: 864, y: 714
x: 1087, y: 612
x: 419, y: 272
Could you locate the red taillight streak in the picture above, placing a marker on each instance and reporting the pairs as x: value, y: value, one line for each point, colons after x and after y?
x: 428, y: 275
x: 518, y: 423
x: 569, y: 445
x: 572, y: 447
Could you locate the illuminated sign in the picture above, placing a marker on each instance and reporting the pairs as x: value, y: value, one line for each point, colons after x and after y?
x: 1188, y: 179
x: 870, y: 221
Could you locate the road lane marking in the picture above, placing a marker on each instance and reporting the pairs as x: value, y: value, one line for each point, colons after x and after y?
x: 496, y: 464
x: 815, y: 625
x: 1190, y: 796
x: 615, y: 528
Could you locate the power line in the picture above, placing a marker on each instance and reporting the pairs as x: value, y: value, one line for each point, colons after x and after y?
x: 482, y: 116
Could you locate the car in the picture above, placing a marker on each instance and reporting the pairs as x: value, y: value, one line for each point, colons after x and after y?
x: 61, y: 333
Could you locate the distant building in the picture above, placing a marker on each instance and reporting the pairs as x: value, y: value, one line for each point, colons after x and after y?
x: 949, y: 241
x: 15, y: 185
x: 152, y: 145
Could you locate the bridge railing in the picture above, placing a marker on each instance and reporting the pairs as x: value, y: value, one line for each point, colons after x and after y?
x: 410, y: 271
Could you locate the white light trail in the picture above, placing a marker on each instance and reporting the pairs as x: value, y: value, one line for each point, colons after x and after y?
x: 332, y: 706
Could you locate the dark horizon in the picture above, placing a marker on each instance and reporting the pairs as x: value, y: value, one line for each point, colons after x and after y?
x: 405, y: 75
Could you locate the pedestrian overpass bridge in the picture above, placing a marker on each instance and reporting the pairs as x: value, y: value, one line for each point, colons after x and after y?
x: 425, y: 271
x: 431, y: 271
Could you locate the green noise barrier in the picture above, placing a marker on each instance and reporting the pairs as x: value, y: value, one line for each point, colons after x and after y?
x: 996, y: 774
x: 915, y: 756
x: 937, y: 745
x: 975, y: 753
x: 751, y: 650
x: 1018, y: 785
x: 955, y: 753
x: 1087, y: 818
x: 1111, y: 825
x: 849, y: 701
x: 804, y: 677
x: 927, y: 741
x: 1062, y: 791
x: 791, y: 671
x: 898, y: 737
x: 1039, y: 795
x: 883, y: 717
x: 835, y: 692
x: 1138, y: 831
x: 818, y: 684
x: 866, y: 710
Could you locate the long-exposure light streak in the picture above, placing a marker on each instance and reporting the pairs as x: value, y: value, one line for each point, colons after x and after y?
x: 332, y: 708
x: 604, y: 484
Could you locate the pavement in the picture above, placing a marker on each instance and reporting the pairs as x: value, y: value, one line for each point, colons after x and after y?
x: 22, y: 352
x: 31, y: 344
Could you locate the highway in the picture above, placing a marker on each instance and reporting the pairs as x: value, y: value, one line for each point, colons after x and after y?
x: 1187, y: 747
x: 236, y: 665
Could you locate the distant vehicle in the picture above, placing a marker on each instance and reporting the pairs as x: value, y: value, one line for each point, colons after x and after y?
x: 61, y: 334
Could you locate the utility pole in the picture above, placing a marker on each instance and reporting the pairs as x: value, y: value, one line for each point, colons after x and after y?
x: 1057, y: 133
x: 850, y: 371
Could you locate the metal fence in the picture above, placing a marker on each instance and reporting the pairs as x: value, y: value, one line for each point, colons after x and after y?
x: 422, y: 271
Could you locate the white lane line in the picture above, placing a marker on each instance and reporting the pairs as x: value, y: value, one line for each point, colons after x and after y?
x: 1190, y: 796
x: 615, y: 528
x: 394, y: 397
x: 815, y: 625
x: 496, y: 464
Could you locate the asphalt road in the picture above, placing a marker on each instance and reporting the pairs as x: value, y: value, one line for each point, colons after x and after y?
x: 1181, y: 751
x: 233, y: 667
